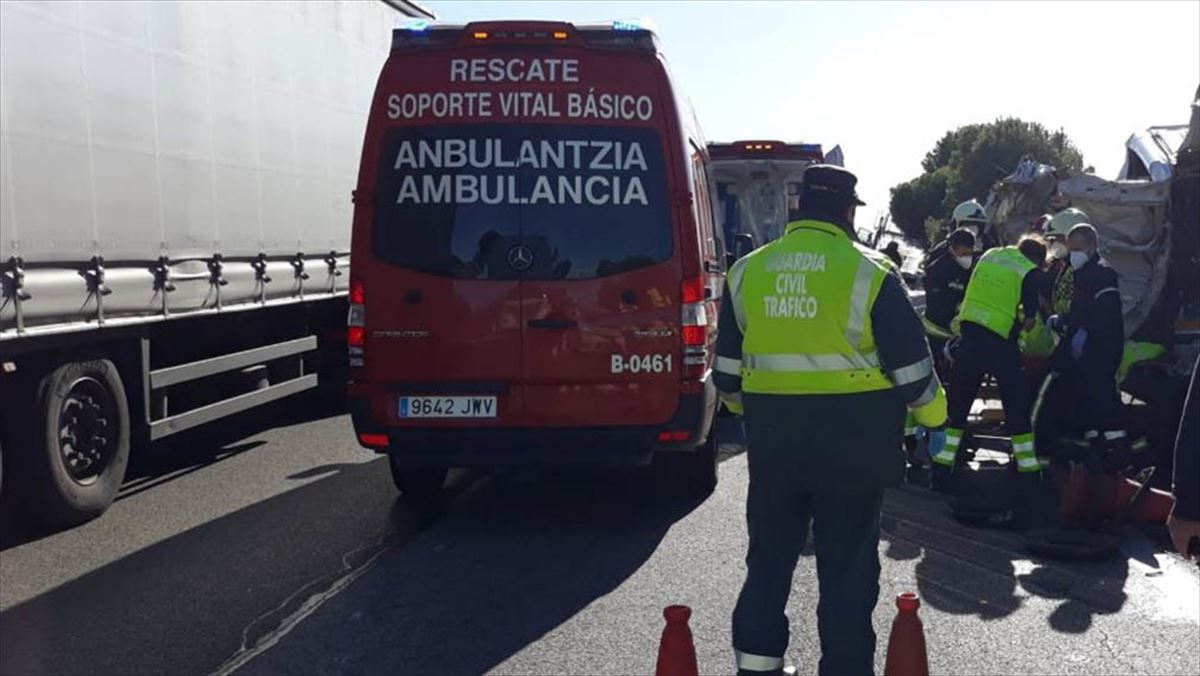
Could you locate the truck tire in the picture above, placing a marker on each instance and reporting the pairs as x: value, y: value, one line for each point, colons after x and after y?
x: 77, y: 445
x: 422, y: 487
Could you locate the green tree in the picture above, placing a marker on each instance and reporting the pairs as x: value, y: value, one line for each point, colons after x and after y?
x: 966, y: 162
x: 913, y: 201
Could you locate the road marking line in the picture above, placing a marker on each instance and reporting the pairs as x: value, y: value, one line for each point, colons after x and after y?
x: 310, y: 606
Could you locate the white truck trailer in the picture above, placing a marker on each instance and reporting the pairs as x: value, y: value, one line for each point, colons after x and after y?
x: 175, y: 205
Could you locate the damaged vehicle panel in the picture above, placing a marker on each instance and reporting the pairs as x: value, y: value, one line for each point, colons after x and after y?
x: 1149, y: 231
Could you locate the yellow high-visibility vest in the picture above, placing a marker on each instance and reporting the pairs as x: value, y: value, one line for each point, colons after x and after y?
x: 994, y: 291
x: 803, y: 303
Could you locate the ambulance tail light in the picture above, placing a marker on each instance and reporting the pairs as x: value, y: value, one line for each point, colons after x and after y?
x: 356, y: 320
x: 373, y: 440
x: 673, y: 436
x: 694, y: 327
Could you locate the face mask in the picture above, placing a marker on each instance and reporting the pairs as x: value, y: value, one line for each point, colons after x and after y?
x: 1058, y: 250
x: 1078, y: 258
x: 965, y: 261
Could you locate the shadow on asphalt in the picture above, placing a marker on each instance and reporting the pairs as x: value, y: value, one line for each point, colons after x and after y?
x: 518, y: 555
x: 177, y: 456
x: 963, y: 570
x: 180, y: 606
x: 208, y: 445
x: 526, y: 551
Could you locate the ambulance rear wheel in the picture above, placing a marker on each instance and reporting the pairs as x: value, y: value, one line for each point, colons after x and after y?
x: 419, y: 486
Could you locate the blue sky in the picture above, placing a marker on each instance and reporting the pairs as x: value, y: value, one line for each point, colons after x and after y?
x: 887, y: 79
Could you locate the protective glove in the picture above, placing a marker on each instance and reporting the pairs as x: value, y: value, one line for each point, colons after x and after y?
x: 1077, y: 342
x: 935, y: 441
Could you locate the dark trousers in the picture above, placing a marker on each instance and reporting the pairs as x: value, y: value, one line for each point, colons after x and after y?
x: 1081, y: 394
x: 1096, y: 375
x: 981, y: 352
x: 846, y: 536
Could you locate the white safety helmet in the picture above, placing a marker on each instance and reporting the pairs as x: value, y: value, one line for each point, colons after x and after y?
x: 1064, y: 220
x: 970, y: 211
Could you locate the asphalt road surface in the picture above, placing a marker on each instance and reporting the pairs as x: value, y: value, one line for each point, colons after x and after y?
x: 275, y: 545
x: 213, y: 539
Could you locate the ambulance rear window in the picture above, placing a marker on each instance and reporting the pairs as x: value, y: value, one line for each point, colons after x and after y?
x: 522, y: 201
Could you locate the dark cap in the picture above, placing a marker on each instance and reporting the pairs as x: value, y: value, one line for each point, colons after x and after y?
x: 827, y: 182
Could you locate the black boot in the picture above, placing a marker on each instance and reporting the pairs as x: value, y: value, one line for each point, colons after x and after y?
x: 941, y: 479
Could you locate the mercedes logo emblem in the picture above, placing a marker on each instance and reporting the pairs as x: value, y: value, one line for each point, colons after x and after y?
x: 520, y: 258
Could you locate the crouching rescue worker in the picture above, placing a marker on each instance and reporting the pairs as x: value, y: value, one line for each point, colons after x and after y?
x: 820, y: 345
x: 1001, y: 297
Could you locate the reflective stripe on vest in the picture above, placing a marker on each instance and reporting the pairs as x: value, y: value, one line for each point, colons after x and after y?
x: 795, y: 363
x: 860, y: 301
x: 729, y: 366
x: 1064, y: 290
x: 811, y: 289
x: 994, y: 291
x: 913, y: 372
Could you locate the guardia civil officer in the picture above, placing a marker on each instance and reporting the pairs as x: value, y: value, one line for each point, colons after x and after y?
x: 821, y: 348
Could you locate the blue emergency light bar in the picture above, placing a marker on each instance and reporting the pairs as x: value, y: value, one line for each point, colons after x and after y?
x: 632, y: 25
x: 412, y: 25
x: 417, y: 33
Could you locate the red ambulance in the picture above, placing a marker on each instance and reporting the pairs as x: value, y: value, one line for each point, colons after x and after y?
x: 535, y: 269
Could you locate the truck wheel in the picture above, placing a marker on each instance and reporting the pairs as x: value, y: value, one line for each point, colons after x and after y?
x: 422, y: 487
x: 696, y: 471
x: 78, y: 443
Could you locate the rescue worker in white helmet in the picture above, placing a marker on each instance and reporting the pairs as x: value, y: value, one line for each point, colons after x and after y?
x: 947, y: 271
x: 970, y: 215
x: 820, y: 346
x: 1060, y: 273
x: 1090, y: 352
x: 946, y: 277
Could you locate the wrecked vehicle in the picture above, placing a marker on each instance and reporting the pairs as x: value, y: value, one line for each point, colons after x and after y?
x: 1149, y: 227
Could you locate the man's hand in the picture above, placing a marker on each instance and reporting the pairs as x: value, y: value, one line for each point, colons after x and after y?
x: 1030, y: 323
x: 1182, y: 533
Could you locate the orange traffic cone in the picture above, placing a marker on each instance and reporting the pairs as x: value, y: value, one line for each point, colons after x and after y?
x: 906, y: 647
x: 677, y: 653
